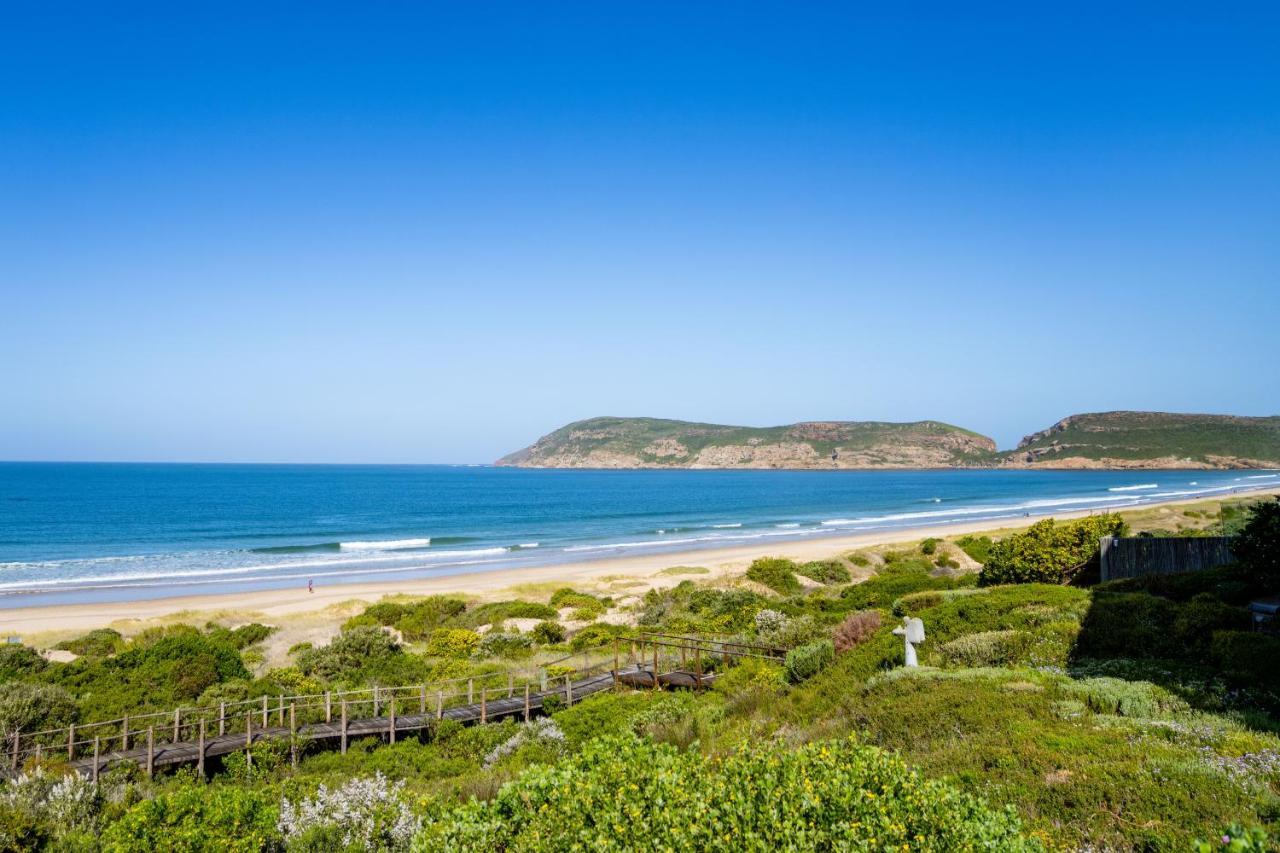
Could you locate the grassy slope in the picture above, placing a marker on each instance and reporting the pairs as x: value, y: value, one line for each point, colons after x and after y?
x: 1147, y: 435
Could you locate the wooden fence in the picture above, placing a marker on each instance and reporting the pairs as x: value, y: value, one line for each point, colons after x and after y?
x: 1134, y: 556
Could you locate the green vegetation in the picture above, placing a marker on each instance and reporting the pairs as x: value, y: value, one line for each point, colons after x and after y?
x: 977, y: 547
x: 1174, y: 438
x: 1048, y: 552
x: 653, y: 442
x: 776, y: 573
x: 825, y: 571
x: 1135, y: 715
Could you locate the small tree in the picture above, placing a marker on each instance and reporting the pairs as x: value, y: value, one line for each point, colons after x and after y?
x: 1257, y: 547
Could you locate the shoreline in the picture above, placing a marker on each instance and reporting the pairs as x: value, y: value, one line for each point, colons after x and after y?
x: 633, y: 574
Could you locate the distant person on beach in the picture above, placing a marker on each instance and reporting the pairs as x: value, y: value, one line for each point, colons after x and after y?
x: 310, y: 587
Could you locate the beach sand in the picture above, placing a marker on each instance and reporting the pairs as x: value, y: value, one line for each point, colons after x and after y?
x: 319, y: 613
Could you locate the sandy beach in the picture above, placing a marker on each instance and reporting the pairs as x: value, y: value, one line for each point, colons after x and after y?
x: 620, y: 575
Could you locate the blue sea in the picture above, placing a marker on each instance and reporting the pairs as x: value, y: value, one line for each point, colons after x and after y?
x: 85, y: 532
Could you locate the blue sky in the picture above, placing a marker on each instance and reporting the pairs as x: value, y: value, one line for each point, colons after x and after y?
x: 416, y: 233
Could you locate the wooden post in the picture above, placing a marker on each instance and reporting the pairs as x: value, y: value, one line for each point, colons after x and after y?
x: 483, y: 712
x: 684, y: 661
x: 511, y: 685
x: 71, y: 741
x: 526, y: 703
x: 655, y: 666
x: 248, y: 729
x: 697, y: 663
x: 39, y: 752
x: 177, y: 724
x: 264, y: 712
x: 328, y: 707
x: 568, y: 690
x: 200, y: 754
x: 280, y: 712
x: 124, y: 733
x: 471, y: 691
x: 391, y: 724
x: 422, y: 700
x: 439, y: 704
x: 293, y: 733
x: 151, y: 751
x: 615, y: 661
x: 344, y: 726
x: 222, y: 718
x: 376, y: 704
x: 97, y: 751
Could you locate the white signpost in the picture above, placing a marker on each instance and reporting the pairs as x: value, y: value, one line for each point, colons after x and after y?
x: 912, y: 633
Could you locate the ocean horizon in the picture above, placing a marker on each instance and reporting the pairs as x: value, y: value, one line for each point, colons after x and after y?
x: 81, y: 532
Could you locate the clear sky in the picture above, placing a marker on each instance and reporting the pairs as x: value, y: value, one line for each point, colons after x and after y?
x: 417, y: 233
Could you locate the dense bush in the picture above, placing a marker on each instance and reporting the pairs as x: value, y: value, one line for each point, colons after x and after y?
x: 452, y: 643
x: 33, y: 707
x: 1247, y: 657
x: 856, y: 629
x: 1230, y: 584
x: 593, y: 636
x: 1257, y: 546
x: 1125, y: 698
x: 825, y: 571
x: 807, y: 661
x: 929, y: 546
x: 1048, y: 552
x: 198, y: 818
x: 776, y: 573
x: 17, y: 661
x: 497, y: 612
x: 97, y: 643
x: 630, y: 794
x: 347, y: 653
x: 362, y: 814
x: 794, y: 631
x: 585, y: 607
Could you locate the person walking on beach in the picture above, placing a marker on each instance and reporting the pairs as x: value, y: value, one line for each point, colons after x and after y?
x: 310, y: 587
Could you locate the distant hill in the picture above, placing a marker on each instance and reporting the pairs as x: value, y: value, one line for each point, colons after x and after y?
x: 1151, y: 440
x: 1100, y: 440
x: 654, y: 443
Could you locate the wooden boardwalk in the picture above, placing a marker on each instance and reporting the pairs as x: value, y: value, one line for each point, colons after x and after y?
x: 194, y: 735
x: 389, y: 726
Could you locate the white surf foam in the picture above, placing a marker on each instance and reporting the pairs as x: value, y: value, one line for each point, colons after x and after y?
x: 1137, y: 488
x: 726, y: 526
x: 386, y: 544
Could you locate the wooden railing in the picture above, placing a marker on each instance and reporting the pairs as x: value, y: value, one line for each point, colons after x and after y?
x: 334, y: 713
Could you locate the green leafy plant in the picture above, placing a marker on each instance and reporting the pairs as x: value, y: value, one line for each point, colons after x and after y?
x: 1048, y: 552
x: 807, y: 661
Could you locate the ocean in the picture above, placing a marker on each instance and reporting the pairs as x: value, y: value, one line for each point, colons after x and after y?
x: 88, y: 532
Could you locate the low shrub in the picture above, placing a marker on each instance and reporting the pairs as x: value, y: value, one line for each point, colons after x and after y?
x: 97, y: 643
x: 452, y: 643
x: 929, y: 546
x: 367, y: 813
x: 978, y: 548
x: 916, y: 601
x: 1204, y: 614
x: 859, y: 559
x: 504, y: 644
x: 793, y: 632
x: 825, y: 571
x: 1048, y: 552
x: 548, y: 633
x: 198, y: 818
x: 32, y: 707
x: 776, y: 573
x: 17, y: 661
x: 623, y: 793
x: 807, y: 661
x: 856, y: 629
x: 348, y: 652
x: 896, y: 580
x: 768, y: 621
x: 595, y: 635
x: 1125, y: 698
x: 987, y: 648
